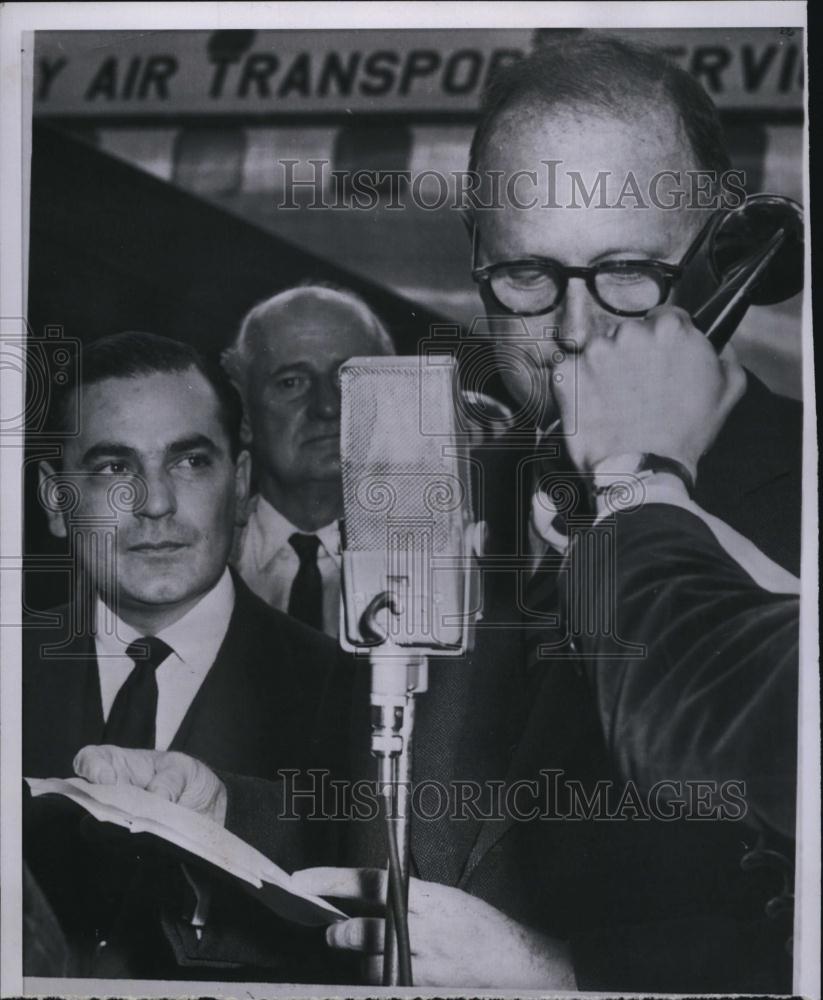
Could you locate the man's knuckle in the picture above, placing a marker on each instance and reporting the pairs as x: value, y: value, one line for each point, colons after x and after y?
x: 678, y: 315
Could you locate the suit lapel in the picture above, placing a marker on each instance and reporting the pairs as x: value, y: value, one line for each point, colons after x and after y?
x: 62, y: 707
x: 220, y: 724
x: 469, y: 723
x: 470, y: 720
x: 550, y: 720
x: 255, y: 709
x: 559, y: 733
x: 750, y: 451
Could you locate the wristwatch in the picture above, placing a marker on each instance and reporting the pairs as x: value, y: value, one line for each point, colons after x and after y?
x: 637, y: 465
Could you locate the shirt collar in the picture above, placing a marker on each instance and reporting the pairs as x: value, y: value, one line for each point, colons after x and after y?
x: 273, y: 530
x: 195, y: 638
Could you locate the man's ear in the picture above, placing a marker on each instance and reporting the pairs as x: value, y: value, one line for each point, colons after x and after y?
x: 55, y: 517
x: 242, y: 486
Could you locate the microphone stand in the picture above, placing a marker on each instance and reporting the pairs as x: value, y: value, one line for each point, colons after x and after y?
x: 396, y: 677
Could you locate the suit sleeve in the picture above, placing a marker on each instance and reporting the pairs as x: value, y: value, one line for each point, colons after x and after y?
x: 710, y: 690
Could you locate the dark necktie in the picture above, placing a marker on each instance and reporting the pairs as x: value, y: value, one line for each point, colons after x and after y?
x: 306, y: 595
x: 132, y: 718
x: 560, y: 502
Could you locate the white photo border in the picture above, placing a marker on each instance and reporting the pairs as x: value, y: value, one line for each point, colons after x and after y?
x: 18, y: 21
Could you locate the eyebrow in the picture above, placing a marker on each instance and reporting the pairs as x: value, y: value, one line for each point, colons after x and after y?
x: 116, y: 449
x: 193, y: 443
x: 299, y: 366
x: 307, y: 367
x: 105, y: 449
x: 656, y: 252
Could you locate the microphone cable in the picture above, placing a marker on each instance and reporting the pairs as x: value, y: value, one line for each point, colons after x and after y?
x: 387, y: 723
x: 397, y: 904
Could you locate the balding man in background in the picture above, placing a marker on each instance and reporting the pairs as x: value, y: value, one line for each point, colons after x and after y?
x: 285, y: 362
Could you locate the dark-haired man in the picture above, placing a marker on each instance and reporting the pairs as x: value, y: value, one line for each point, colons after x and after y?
x: 161, y: 648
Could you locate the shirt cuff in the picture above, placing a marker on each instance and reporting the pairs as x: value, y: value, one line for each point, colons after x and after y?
x: 618, y: 491
x: 642, y: 489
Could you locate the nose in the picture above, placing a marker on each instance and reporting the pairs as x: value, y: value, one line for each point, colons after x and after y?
x: 160, y: 496
x: 579, y: 318
x: 325, y: 400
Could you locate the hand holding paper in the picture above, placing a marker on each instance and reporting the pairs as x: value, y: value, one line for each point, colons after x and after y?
x: 174, y: 776
x: 121, y: 798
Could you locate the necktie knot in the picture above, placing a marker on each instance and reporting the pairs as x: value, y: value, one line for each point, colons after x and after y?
x: 305, y: 546
x: 148, y: 650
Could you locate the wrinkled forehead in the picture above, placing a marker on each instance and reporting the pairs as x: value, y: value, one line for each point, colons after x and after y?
x: 583, y: 143
x: 577, y: 183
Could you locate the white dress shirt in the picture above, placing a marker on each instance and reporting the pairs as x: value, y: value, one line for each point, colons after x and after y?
x: 269, y: 564
x: 664, y: 488
x: 194, y: 639
x: 651, y: 488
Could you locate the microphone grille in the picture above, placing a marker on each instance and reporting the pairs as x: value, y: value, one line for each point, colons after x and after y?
x: 402, y: 481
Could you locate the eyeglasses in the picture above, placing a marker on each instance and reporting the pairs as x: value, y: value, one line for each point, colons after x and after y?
x: 534, y: 286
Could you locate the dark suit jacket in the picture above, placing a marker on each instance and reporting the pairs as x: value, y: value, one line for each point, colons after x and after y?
x: 666, y: 905
x: 245, y: 717
x: 709, y: 709
x: 648, y: 905
x: 252, y: 715
x: 719, y: 665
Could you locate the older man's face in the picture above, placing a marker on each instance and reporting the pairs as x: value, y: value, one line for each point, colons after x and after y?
x: 586, y: 143
x: 294, y: 396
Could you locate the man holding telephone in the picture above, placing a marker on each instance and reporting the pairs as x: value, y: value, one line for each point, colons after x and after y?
x: 588, y: 292
x: 579, y: 299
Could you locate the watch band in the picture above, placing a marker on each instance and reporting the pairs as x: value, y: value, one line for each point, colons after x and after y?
x: 607, y: 475
x: 662, y: 463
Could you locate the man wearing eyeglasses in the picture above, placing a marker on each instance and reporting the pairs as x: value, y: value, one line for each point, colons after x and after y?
x: 618, y: 386
x: 660, y: 886
x: 559, y: 278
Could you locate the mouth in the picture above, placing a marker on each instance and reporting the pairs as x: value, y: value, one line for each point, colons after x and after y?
x: 159, y: 548
x: 323, y: 439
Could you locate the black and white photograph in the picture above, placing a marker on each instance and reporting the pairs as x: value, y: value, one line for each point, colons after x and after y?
x: 409, y: 514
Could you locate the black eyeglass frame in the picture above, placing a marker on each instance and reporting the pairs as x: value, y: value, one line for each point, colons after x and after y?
x: 667, y: 274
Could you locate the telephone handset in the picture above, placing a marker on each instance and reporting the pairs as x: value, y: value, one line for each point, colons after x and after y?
x: 753, y: 255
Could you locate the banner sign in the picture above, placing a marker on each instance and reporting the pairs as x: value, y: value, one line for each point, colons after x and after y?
x: 173, y: 73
